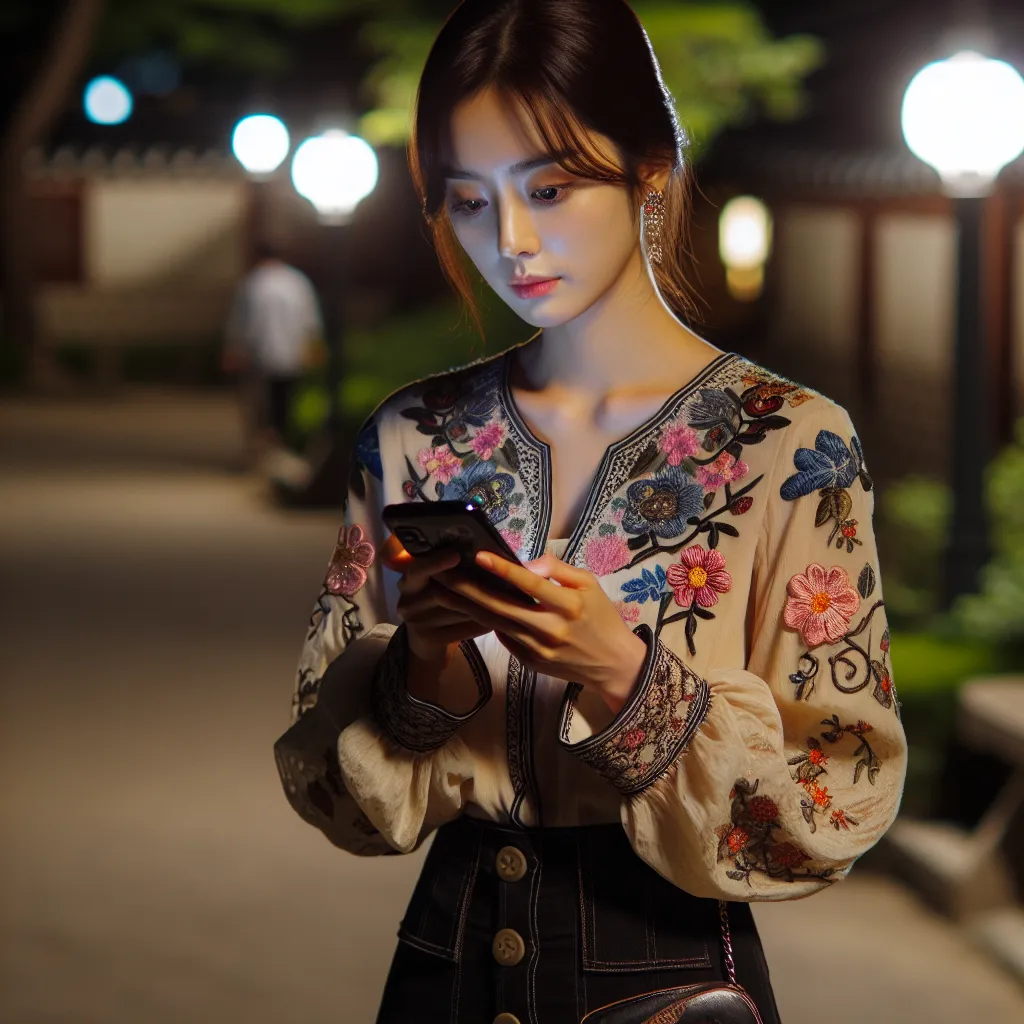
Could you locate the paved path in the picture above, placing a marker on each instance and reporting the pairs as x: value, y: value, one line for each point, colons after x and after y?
x: 151, y: 608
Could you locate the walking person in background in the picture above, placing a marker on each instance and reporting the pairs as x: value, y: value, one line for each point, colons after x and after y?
x: 274, y: 335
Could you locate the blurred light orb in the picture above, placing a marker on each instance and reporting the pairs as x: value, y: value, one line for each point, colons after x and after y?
x: 744, y: 244
x: 334, y: 171
x: 965, y: 117
x: 107, y: 100
x: 260, y: 143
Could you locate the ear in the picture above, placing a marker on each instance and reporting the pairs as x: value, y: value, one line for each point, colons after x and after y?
x: 655, y: 176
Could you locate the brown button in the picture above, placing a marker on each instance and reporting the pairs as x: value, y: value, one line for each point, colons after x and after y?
x: 508, y: 947
x: 511, y: 864
x: 506, y: 1018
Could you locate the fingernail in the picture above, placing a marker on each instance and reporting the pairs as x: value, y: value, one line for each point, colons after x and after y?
x: 483, y: 559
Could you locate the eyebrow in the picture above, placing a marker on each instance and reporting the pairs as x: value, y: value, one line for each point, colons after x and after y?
x: 519, y: 168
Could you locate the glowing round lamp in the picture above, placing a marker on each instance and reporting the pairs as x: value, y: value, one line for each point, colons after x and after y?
x: 965, y: 117
x: 260, y: 143
x: 107, y: 100
x: 744, y: 244
x: 334, y: 171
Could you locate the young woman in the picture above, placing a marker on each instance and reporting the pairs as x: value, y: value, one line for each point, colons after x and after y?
x: 699, y: 708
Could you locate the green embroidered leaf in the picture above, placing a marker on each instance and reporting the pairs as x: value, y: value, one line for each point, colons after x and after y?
x: 824, y: 512
x: 517, y: 498
x: 728, y: 529
x: 844, y: 505
x: 688, y: 466
x: 709, y: 500
x: 618, y: 503
x: 647, y: 456
x: 438, y: 440
x: 635, y: 543
x: 859, y: 770
x: 866, y: 582
x: 517, y: 524
x: 507, y: 456
x: 605, y: 530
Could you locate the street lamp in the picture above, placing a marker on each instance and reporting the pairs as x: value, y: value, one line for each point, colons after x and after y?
x: 335, y: 171
x: 965, y: 116
x: 260, y: 143
x: 744, y: 242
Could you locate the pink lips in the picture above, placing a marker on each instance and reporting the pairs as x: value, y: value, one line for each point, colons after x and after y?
x: 534, y: 289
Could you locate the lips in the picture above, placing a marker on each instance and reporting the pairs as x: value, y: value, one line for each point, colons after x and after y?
x: 532, y: 287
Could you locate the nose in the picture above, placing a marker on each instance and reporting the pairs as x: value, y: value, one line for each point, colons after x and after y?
x: 517, y: 235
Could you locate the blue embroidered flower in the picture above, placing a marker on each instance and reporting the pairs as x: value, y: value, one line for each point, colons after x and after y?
x: 662, y: 504
x: 645, y: 587
x: 483, y: 479
x: 367, y: 451
x: 829, y: 464
x: 712, y: 408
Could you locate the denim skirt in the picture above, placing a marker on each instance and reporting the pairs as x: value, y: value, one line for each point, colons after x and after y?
x: 542, y: 926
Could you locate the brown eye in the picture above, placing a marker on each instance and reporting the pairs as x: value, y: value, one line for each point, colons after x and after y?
x: 466, y: 206
x: 545, y: 196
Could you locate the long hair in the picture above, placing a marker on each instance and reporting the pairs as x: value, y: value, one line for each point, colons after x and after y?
x: 575, y: 66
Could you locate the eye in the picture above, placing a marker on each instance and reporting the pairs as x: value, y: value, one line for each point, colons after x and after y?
x: 466, y: 207
x: 551, y: 200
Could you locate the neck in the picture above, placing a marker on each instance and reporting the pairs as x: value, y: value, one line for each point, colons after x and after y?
x: 598, y: 352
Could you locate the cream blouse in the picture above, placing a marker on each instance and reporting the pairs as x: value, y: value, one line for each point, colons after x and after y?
x: 761, y: 751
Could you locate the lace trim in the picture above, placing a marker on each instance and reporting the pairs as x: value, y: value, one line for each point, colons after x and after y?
x: 657, y: 724
x: 412, y: 723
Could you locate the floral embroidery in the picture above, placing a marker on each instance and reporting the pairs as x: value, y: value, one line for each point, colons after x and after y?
x: 830, y: 468
x: 678, y: 441
x: 821, y: 603
x: 811, y: 764
x: 367, y: 450
x: 725, y: 469
x: 605, y: 555
x: 439, y: 463
x: 751, y: 842
x: 488, y: 438
x: 645, y: 587
x: 661, y: 505
x: 653, y: 729
x: 767, y: 391
x: 740, y: 505
x: 630, y: 613
x: 854, y: 659
x: 483, y: 481
x: 699, y: 577
x: 353, y: 555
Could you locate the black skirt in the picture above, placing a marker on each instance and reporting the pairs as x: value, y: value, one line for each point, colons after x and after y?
x: 541, y: 926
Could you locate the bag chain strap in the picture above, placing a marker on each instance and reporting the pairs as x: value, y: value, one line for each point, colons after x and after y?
x: 730, y: 964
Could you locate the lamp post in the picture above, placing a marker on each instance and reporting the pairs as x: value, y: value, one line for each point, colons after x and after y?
x: 965, y: 117
x: 335, y: 171
x: 744, y: 243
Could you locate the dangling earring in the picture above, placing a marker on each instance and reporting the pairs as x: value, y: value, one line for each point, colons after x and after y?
x: 654, y: 216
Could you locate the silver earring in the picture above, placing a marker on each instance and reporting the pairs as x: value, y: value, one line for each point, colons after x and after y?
x: 654, y: 216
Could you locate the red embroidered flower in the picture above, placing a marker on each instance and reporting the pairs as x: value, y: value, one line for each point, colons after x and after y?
x: 817, y: 756
x: 862, y: 726
x: 787, y: 855
x: 352, y: 557
x: 840, y: 820
x: 885, y: 681
x: 633, y: 739
x: 762, y: 402
x: 676, y: 722
x: 821, y: 603
x: 884, y: 642
x: 850, y: 528
x: 819, y: 794
x: 737, y: 840
x: 700, y: 574
x: 763, y: 809
x: 741, y: 505
x: 409, y: 489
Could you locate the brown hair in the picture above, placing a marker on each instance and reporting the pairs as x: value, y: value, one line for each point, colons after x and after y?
x: 575, y: 65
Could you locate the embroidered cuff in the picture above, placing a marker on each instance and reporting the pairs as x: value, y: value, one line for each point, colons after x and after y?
x: 418, y: 724
x: 656, y: 725
x: 307, y: 761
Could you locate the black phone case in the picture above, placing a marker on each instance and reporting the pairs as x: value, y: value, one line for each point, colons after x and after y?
x: 429, y: 526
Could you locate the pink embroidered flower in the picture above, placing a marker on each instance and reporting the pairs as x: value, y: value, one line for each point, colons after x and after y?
x: 440, y: 462
x: 630, y: 611
x: 821, y: 603
x: 487, y: 438
x: 701, y: 574
x: 352, y: 557
x: 633, y: 739
x: 604, y: 555
x: 725, y: 469
x: 617, y: 514
x: 513, y: 538
x: 678, y: 441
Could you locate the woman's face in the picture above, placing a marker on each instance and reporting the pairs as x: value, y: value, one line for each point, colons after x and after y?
x: 517, y: 215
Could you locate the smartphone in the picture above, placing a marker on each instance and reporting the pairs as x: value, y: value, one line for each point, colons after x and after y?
x: 428, y: 526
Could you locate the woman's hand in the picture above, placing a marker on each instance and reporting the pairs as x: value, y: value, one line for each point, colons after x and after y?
x: 432, y: 627
x: 574, y: 633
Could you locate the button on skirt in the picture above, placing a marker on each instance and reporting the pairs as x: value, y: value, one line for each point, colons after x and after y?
x: 542, y: 926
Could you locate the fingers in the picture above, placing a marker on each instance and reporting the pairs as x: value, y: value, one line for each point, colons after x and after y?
x: 562, y: 599
x: 417, y: 571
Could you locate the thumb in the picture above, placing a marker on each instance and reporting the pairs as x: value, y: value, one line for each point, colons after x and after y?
x: 557, y: 571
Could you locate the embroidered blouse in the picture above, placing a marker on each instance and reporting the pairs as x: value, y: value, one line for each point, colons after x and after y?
x: 761, y: 751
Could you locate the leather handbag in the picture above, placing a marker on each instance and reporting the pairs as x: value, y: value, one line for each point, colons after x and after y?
x: 705, y: 1003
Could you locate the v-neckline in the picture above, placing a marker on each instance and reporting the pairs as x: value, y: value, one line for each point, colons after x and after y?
x: 597, y: 480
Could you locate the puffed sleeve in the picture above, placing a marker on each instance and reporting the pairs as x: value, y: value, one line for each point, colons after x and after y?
x: 767, y: 782
x: 372, y: 767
